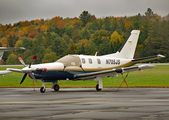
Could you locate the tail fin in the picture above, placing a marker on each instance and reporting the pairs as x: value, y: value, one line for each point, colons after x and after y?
x: 1, y: 54
x: 128, y: 48
x: 2, y: 49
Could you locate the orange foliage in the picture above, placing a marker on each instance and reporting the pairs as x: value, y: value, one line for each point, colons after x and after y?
x: 4, y: 42
x: 59, y: 22
x: 152, y: 19
x: 37, y: 21
x: 33, y: 34
x: 2, y: 62
x: 25, y: 23
x: 128, y: 23
x: 12, y: 33
x: 93, y: 18
x: 44, y: 27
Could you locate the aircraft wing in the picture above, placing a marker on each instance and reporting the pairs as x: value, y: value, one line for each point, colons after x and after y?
x: 3, y: 72
x: 113, y: 72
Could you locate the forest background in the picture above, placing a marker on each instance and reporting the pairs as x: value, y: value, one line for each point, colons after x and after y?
x: 54, y: 38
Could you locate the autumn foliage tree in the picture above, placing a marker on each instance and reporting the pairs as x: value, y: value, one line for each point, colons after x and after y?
x: 53, y: 38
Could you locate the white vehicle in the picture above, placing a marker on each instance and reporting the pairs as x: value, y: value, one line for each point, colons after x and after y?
x: 87, y: 67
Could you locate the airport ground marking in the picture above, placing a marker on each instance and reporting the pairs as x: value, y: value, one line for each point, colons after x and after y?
x: 85, y: 101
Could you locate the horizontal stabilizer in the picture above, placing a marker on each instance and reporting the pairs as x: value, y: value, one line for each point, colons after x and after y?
x: 144, y: 59
x: 11, y: 48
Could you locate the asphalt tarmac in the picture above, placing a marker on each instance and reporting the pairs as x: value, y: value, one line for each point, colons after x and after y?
x: 84, y: 103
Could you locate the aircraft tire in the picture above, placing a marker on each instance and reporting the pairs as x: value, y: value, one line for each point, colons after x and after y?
x: 97, y: 87
x: 56, y: 87
x: 42, y: 90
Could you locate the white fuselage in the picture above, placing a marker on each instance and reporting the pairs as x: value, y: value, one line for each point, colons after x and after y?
x: 88, y: 63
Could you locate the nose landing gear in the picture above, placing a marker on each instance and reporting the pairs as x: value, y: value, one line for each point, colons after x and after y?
x: 43, y: 89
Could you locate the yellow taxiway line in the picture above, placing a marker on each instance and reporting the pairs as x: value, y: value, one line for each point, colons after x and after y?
x: 102, y: 101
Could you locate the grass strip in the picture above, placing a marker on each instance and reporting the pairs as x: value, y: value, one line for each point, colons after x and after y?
x: 155, y: 77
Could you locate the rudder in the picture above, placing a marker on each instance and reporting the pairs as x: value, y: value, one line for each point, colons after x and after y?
x: 128, y: 48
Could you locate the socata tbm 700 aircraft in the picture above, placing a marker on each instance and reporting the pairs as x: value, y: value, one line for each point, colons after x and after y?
x: 87, y: 67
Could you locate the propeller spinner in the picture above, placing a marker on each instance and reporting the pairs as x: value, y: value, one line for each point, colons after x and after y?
x: 27, y: 71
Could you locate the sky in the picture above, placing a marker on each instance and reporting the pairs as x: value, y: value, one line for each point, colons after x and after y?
x: 13, y: 11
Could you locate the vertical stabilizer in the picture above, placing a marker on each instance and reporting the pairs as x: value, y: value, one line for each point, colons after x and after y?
x: 2, y: 49
x: 1, y: 55
x: 128, y: 48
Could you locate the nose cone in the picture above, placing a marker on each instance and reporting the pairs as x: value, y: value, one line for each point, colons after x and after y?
x: 52, y: 66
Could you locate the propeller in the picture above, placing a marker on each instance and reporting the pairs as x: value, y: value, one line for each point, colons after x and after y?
x: 28, y: 71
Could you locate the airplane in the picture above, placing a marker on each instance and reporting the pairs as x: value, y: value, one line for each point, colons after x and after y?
x: 2, y: 50
x: 87, y: 67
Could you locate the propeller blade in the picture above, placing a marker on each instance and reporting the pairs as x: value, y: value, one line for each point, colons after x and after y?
x: 34, y: 58
x: 33, y: 77
x: 23, y: 63
x: 23, y: 78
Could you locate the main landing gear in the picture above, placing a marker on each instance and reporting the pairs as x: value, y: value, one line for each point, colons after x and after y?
x: 56, y: 87
x: 99, y: 86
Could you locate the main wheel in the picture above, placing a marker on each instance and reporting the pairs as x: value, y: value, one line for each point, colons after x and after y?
x: 97, y: 87
x: 42, y: 89
x: 56, y: 87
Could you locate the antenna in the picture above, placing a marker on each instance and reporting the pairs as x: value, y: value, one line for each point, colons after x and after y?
x: 95, y: 54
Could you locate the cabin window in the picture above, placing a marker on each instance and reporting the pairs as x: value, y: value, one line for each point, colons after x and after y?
x: 83, y: 61
x: 90, y: 60
x: 98, y: 61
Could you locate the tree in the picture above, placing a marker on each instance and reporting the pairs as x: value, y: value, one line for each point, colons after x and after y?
x: 98, y: 36
x: 105, y: 47
x: 69, y: 30
x: 26, y: 43
x: 77, y: 24
x: 40, y: 54
x: 106, y: 23
x: 50, y: 57
x: 12, y: 60
x: 58, y: 46
x: 149, y: 13
x: 76, y: 35
x: 116, y: 40
x: 85, y: 33
x: 85, y: 17
x: 91, y: 49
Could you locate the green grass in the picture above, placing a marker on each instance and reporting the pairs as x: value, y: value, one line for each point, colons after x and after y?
x: 155, y: 77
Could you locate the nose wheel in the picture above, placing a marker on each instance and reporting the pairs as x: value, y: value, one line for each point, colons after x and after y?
x: 43, y: 89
